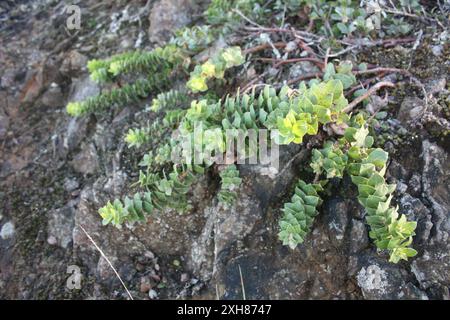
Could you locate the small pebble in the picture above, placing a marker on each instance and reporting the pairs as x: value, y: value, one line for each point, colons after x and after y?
x: 437, y: 50
x: 71, y: 185
x: 152, y: 294
x: 51, y: 240
x: 184, y: 277
x: 7, y: 231
x: 149, y: 255
x: 139, y: 267
x: 145, y: 285
x: 401, y: 187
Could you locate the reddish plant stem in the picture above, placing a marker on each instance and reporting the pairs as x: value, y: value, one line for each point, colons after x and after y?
x: 310, y: 25
x: 369, y: 92
x: 392, y: 42
x: 264, y: 47
x: 382, y: 69
x: 280, y: 62
x: 364, y: 84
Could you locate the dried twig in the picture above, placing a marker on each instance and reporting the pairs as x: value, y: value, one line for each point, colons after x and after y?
x: 242, y: 283
x: 246, y: 18
x: 264, y: 46
x: 107, y: 260
x: 383, y: 69
x: 247, y: 88
x: 325, y: 61
x: 423, y: 19
x: 363, y: 84
x: 251, y: 84
x: 369, y: 92
x: 280, y: 62
x: 283, y: 30
x: 396, y: 70
x: 360, y: 43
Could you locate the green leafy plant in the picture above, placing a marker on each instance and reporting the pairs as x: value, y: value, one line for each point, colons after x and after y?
x: 214, y: 68
x: 162, y: 192
x: 389, y: 230
x: 299, y: 213
x: 343, y: 73
x: 171, y: 99
x: 118, y: 96
x: 154, y: 67
x: 137, y: 137
x: 194, y: 38
x: 341, y: 18
x: 331, y: 160
x: 131, y: 210
x: 322, y: 103
x: 129, y: 62
x: 311, y: 109
x: 230, y: 182
x: 353, y: 154
x: 220, y: 12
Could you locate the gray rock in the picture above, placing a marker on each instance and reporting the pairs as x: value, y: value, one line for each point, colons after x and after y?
x: 335, y: 210
x: 223, y: 228
x: 104, y: 270
x: 86, y: 161
x: 359, y: 238
x: 436, y: 188
x: 401, y: 187
x: 379, y: 280
x: 249, y: 273
x: 4, y: 124
x: 397, y: 171
x: 184, y: 277
x: 7, y: 230
x: 53, y: 97
x: 437, y: 50
x: 71, y: 184
x: 167, y: 16
x: 432, y: 271
x: 415, y: 210
x: 372, y: 279
x: 60, y: 226
x: 302, y: 68
x: 152, y: 294
x: 73, y: 63
x: 436, y: 85
x: 415, y: 184
x: 411, y: 110
x: 83, y: 88
x: 72, y: 132
x: 7, y: 78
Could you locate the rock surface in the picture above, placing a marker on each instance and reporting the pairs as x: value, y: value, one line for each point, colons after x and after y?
x: 167, y: 16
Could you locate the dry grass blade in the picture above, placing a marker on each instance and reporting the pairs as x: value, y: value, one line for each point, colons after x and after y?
x: 242, y: 284
x: 107, y: 260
